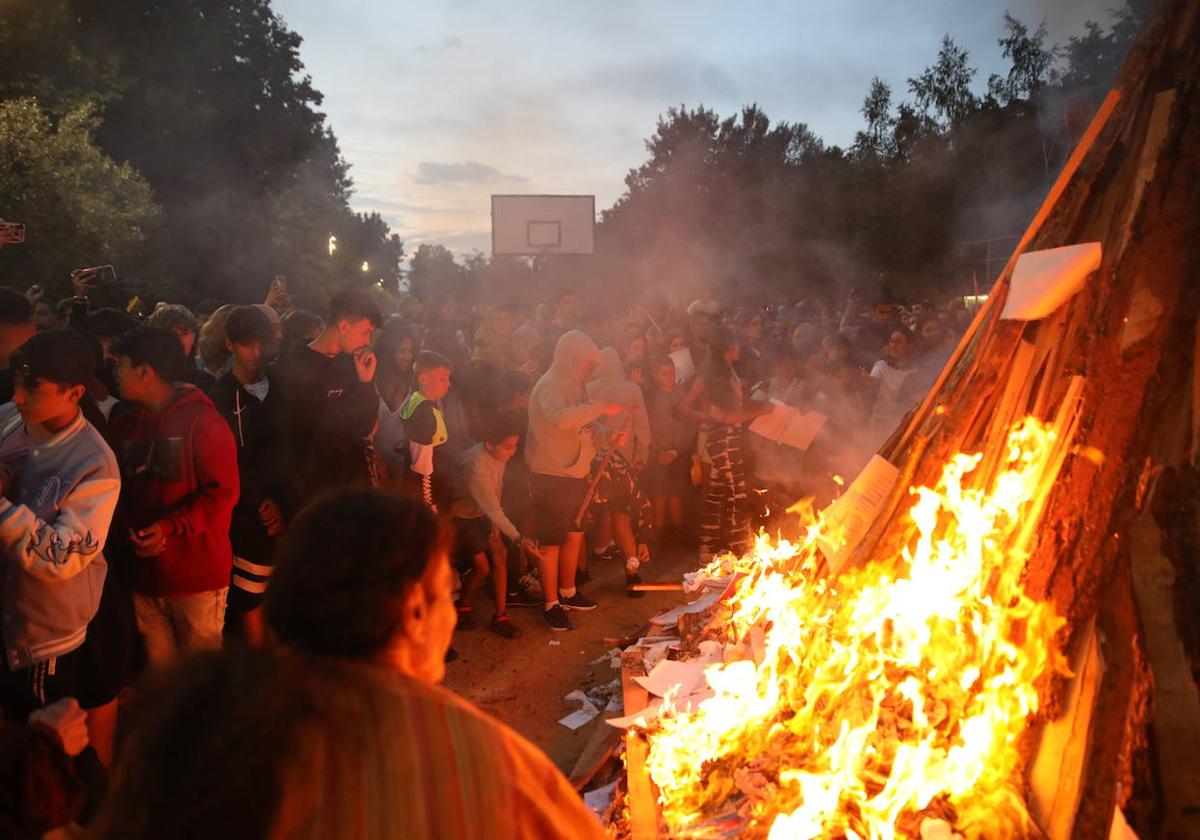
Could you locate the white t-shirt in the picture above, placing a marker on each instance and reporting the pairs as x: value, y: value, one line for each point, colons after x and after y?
x: 258, y: 390
x: 891, y: 381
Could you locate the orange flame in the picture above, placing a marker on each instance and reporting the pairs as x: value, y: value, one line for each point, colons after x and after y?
x: 898, y: 690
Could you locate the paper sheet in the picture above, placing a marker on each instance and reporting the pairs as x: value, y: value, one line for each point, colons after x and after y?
x: 671, y: 617
x: 583, y: 714
x: 850, y: 515
x: 646, y: 714
x: 789, y: 426
x: 599, y: 799
x: 1044, y: 280
x: 669, y: 674
x: 685, y: 368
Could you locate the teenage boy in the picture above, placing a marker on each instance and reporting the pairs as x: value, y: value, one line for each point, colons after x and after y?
x: 179, y: 464
x: 480, y: 520
x: 425, y: 429
x: 327, y: 403
x: 240, y: 397
x: 60, y: 486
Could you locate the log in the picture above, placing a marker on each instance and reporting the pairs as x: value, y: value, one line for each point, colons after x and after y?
x: 643, y: 798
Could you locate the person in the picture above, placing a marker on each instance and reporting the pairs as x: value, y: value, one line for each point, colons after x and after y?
x: 672, y: 440
x: 323, y: 396
x: 343, y: 731
x: 480, y: 520
x: 717, y: 399
x: 493, y: 340
x: 527, y: 355
x: 60, y: 486
x: 877, y: 330
x: 240, y: 398
x: 179, y: 464
x: 186, y: 326
x: 299, y: 327
x: 559, y: 450
x: 426, y: 477
x: 45, y: 314
x: 890, y: 374
x: 615, y: 518
x: 395, y: 348
x: 16, y: 327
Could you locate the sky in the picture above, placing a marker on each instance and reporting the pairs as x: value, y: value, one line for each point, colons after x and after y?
x: 438, y: 105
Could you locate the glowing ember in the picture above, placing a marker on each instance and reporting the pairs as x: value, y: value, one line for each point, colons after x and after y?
x: 898, y: 691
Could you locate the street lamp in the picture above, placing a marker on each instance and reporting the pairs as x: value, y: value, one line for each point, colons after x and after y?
x: 332, y: 244
x: 365, y: 267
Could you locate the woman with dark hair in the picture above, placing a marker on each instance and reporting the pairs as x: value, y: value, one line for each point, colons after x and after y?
x: 718, y: 400
x: 395, y: 348
x: 345, y: 733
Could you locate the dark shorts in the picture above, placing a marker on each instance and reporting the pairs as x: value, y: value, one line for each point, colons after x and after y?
x: 556, y: 501
x: 23, y: 691
x: 471, y: 538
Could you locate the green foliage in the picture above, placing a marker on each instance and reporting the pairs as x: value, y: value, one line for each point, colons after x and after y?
x: 208, y: 99
x: 79, y: 207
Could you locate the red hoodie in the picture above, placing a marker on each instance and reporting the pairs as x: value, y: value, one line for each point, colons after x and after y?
x: 179, y: 466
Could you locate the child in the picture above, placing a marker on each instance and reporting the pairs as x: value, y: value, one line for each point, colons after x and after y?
x: 425, y: 430
x: 673, y: 439
x: 179, y: 464
x: 240, y: 397
x: 479, y: 520
x: 60, y: 488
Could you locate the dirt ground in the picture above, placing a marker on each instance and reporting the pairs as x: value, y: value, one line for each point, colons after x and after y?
x: 522, y: 682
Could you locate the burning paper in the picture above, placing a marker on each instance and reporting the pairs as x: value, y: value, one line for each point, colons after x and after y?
x: 892, y: 695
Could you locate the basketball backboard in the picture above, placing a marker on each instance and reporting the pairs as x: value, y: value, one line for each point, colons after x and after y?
x: 528, y: 225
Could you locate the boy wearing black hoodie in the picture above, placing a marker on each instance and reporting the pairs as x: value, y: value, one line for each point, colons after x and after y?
x: 240, y: 397
x: 323, y: 394
x: 180, y: 483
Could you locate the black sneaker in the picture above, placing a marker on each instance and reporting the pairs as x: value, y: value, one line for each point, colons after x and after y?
x: 466, y: 621
x: 503, y: 625
x: 583, y: 576
x: 578, y: 601
x: 557, y: 619
x: 524, y: 598
x: 631, y: 580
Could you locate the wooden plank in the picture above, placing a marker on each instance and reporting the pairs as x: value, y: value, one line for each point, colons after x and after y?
x: 1176, y: 702
x: 596, y: 753
x: 1056, y: 773
x: 643, y: 798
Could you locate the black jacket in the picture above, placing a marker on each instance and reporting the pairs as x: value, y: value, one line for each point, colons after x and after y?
x: 324, y: 416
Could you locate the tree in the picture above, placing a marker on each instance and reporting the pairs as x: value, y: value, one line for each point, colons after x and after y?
x: 943, y: 91
x: 1031, y: 63
x: 433, y: 271
x: 877, y: 140
x: 80, y: 208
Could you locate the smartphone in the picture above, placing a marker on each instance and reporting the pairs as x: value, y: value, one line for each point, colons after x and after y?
x: 96, y: 275
x: 12, y: 233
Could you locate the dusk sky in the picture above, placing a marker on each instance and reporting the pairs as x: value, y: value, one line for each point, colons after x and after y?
x: 438, y: 105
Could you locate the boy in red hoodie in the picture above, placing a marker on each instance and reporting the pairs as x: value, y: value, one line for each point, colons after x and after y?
x: 180, y: 482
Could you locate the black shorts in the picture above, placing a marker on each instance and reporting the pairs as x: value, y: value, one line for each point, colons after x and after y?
x: 23, y: 691
x: 471, y: 538
x: 556, y: 502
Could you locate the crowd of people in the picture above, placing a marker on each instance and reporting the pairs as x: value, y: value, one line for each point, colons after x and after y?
x: 325, y: 495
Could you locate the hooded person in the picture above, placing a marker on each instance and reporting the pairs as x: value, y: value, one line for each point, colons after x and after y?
x: 623, y: 510
x: 559, y: 450
x: 610, y: 385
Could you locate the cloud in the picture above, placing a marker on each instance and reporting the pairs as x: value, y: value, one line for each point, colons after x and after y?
x: 450, y: 42
x: 467, y: 172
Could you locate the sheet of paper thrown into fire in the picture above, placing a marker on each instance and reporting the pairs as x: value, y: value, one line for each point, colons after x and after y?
x: 851, y: 514
x: 1042, y: 281
x: 789, y: 426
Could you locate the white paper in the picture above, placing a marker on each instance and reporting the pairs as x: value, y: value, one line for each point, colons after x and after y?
x: 1044, y: 280
x: 848, y: 518
x: 671, y: 617
x: 599, y: 799
x: 684, y: 677
x: 685, y: 368
x: 640, y: 719
x: 789, y: 426
x: 580, y: 716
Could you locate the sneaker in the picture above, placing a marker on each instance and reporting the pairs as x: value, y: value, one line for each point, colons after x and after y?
x: 466, y: 621
x: 583, y: 576
x: 610, y: 554
x: 632, y: 579
x: 503, y: 625
x: 556, y: 617
x: 578, y: 601
x: 522, y: 597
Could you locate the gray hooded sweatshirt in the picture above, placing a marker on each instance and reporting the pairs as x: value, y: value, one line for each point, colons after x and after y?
x: 557, y: 443
x: 611, y: 386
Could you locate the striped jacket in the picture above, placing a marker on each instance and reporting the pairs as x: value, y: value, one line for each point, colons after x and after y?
x: 53, y: 528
